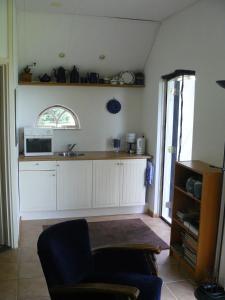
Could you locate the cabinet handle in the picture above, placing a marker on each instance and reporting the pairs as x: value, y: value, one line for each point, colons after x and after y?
x: 57, y: 165
x: 37, y: 164
x: 53, y: 175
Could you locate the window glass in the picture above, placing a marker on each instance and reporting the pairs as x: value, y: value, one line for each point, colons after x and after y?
x: 66, y: 119
x: 58, y: 117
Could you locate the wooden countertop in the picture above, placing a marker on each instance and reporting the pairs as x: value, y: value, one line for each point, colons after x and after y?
x: 91, y: 155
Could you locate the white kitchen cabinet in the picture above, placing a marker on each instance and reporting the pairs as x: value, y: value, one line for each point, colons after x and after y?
x: 37, y: 190
x: 74, y: 184
x: 106, y: 183
x: 60, y: 186
x: 133, y: 182
x: 119, y: 183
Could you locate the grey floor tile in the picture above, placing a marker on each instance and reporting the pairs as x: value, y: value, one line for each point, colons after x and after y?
x: 8, y: 290
x: 170, y: 273
x: 182, y: 290
x: 8, y: 271
x: 31, y: 288
x: 30, y: 270
x: 9, y: 256
x: 28, y: 254
x: 166, y: 293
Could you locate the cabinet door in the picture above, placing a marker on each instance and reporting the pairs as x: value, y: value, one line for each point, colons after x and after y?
x: 74, y: 185
x: 37, y: 190
x: 106, y: 183
x: 133, y: 182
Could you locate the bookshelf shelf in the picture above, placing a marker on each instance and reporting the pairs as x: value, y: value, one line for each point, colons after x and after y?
x: 179, y: 223
x: 186, y: 193
x: 178, y: 255
x: 193, y: 239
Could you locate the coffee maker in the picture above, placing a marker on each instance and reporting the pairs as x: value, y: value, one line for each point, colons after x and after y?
x: 131, y: 141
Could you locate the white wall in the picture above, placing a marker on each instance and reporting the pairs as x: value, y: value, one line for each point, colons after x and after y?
x: 195, y: 40
x: 41, y: 37
x: 7, y: 57
x: 98, y: 125
x: 3, y: 30
x: 126, y: 44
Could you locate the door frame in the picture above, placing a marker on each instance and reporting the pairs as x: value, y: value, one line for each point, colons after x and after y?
x: 161, y: 131
x: 163, y: 142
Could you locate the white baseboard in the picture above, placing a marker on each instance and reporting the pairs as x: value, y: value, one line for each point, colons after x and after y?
x: 82, y: 213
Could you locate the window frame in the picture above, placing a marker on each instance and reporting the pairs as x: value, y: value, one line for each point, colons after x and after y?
x: 65, y: 109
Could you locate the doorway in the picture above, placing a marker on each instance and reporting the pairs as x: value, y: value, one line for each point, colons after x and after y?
x: 177, y: 131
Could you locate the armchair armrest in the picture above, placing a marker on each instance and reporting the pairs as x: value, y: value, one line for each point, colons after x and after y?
x: 137, y: 247
x: 66, y: 292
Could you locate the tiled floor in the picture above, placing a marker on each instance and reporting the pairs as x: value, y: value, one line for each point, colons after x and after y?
x: 21, y: 276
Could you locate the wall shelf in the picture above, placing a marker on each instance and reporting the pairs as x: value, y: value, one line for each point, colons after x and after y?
x: 38, y: 83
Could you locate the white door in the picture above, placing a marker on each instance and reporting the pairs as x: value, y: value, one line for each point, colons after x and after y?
x: 37, y: 190
x: 74, y: 184
x: 106, y: 183
x: 133, y: 182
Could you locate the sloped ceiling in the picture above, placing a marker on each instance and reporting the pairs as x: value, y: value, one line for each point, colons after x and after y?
x: 85, y: 29
x: 155, y: 10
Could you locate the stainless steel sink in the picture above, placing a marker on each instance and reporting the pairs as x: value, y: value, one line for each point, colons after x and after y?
x: 70, y: 154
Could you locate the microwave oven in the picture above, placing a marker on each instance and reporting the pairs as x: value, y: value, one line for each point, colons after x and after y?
x: 38, y: 141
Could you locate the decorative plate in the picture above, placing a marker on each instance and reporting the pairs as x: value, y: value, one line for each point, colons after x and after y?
x: 113, y: 106
x: 127, y: 77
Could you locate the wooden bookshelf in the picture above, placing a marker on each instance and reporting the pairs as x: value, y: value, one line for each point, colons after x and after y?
x: 208, y: 207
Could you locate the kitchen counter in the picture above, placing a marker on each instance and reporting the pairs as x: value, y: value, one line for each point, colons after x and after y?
x: 90, y: 155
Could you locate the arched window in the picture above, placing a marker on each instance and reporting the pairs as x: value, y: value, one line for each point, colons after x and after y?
x: 58, y: 117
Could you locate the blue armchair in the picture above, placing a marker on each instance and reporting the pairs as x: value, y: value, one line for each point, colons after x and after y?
x: 73, y: 271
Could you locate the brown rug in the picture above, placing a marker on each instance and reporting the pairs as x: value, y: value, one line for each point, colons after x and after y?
x: 129, y: 231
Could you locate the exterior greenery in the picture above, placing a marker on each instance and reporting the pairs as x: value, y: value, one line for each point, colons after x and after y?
x: 58, y: 117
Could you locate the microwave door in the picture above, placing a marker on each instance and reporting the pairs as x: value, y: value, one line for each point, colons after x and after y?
x: 40, y: 145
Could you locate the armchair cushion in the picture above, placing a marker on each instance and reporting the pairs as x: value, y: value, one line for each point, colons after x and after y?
x: 148, y: 285
x: 125, y: 260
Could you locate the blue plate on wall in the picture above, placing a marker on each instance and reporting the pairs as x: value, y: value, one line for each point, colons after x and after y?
x: 113, y: 106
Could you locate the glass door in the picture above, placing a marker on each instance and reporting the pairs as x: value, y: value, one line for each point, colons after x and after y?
x: 178, y: 134
x: 170, y: 146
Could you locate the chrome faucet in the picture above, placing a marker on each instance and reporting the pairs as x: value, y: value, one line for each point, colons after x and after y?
x: 71, y: 147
